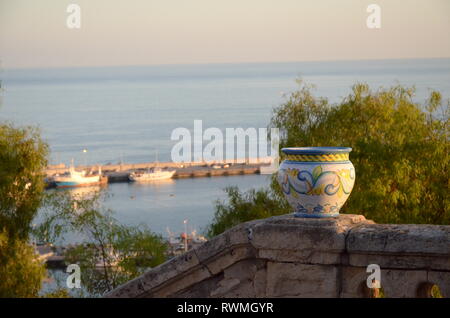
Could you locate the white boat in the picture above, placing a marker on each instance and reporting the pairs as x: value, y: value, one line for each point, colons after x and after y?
x: 75, y: 178
x: 151, y: 175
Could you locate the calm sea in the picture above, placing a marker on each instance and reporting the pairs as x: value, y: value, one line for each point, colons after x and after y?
x: 129, y: 113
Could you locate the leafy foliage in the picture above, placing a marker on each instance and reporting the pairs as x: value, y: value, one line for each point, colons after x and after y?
x: 400, y: 149
x: 22, y: 157
x: 400, y: 153
x: 21, y: 272
x: 110, y: 253
x: 58, y: 293
x: 247, y: 206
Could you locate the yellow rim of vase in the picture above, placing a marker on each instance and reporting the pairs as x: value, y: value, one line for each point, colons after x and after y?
x: 327, y: 157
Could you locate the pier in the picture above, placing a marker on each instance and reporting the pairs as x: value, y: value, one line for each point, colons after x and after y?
x: 121, y: 172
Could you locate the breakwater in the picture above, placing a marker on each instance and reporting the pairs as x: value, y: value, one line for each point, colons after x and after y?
x: 121, y: 172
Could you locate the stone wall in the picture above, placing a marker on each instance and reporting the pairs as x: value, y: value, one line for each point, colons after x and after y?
x: 286, y: 256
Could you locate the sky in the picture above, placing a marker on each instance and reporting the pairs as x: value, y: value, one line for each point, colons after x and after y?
x: 34, y: 34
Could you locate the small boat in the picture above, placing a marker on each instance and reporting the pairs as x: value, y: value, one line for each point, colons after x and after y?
x: 151, y: 175
x: 75, y: 178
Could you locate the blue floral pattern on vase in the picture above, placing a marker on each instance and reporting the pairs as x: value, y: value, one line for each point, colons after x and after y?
x: 316, y: 188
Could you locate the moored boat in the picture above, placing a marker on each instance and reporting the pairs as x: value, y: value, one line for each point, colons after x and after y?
x: 75, y: 178
x: 151, y: 175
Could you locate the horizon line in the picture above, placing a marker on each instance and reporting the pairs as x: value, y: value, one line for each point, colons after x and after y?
x: 221, y: 63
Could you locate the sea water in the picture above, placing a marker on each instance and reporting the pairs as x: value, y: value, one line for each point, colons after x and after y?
x: 128, y: 114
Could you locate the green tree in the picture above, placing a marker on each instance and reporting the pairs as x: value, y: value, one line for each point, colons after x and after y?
x: 122, y: 252
x: 400, y: 152
x: 21, y: 272
x: 22, y: 159
x: 109, y: 253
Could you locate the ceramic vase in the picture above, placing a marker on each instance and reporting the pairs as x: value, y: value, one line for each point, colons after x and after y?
x: 316, y: 180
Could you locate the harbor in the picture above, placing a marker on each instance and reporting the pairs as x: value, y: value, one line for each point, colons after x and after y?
x: 113, y: 173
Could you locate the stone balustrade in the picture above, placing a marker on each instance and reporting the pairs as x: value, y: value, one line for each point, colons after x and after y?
x: 285, y: 256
